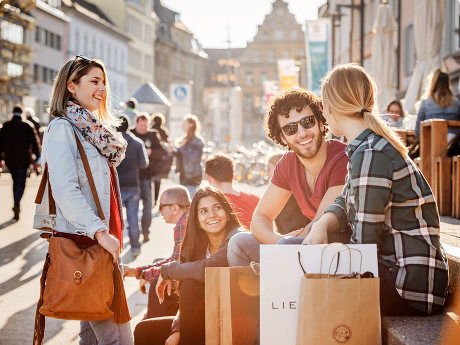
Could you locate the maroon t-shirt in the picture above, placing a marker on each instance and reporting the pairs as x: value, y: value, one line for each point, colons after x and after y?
x: 290, y: 175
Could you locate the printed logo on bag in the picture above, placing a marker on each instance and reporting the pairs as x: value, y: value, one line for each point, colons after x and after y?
x: 342, y: 334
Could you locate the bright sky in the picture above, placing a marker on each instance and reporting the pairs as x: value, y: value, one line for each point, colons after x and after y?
x: 209, y: 19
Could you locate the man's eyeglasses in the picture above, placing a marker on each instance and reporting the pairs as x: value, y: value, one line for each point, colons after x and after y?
x: 84, y: 58
x: 292, y: 127
x: 180, y: 205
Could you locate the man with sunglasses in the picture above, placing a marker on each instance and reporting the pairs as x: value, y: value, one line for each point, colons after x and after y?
x: 174, y: 205
x: 313, y: 171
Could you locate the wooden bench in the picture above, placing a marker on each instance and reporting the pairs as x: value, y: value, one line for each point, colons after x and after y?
x: 423, y: 330
x: 434, y: 163
x: 456, y: 187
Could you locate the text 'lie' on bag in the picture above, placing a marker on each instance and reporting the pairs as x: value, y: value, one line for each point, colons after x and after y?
x: 78, y: 282
x: 333, y: 310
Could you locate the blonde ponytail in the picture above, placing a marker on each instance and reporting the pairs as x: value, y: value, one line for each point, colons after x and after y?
x: 348, y: 89
x: 375, y: 124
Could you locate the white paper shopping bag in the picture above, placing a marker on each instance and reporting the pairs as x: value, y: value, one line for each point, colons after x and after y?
x: 280, y: 276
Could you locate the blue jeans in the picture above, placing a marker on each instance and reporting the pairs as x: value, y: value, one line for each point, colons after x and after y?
x: 130, y: 197
x: 19, y: 176
x: 191, y: 189
x: 146, y: 196
x: 105, y: 333
x: 242, y: 249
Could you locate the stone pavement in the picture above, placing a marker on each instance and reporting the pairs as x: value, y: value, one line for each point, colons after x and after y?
x: 22, y: 253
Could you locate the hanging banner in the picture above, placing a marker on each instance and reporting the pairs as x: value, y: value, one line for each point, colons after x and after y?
x: 271, y: 88
x: 288, y: 73
x: 318, y: 55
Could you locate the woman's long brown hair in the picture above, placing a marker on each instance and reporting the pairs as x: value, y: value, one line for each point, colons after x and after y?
x: 196, y: 240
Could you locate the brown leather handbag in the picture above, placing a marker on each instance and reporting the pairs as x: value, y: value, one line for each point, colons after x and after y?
x: 78, y: 282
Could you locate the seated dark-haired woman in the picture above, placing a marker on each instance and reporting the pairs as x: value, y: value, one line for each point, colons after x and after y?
x: 211, y: 224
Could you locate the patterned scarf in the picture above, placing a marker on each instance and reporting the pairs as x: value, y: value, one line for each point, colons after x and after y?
x: 109, y: 143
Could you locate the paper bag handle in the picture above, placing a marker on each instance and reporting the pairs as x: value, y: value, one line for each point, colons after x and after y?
x: 332, y: 260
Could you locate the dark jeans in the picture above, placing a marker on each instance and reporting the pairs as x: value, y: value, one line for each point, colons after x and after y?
x: 146, y: 196
x: 153, y: 331
x: 130, y: 198
x: 192, y: 319
x: 169, y: 307
x: 391, y: 303
x: 19, y: 176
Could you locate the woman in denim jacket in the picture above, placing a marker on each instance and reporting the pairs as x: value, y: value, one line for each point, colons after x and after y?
x: 439, y: 103
x: 189, y: 153
x: 79, y: 103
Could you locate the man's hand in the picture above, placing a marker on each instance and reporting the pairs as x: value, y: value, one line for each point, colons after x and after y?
x: 173, y: 339
x: 160, y: 288
x: 317, y: 234
x: 142, y: 283
x: 129, y: 271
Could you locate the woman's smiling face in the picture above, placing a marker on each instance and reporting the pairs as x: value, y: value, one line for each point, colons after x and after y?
x: 90, y: 91
x: 211, y: 215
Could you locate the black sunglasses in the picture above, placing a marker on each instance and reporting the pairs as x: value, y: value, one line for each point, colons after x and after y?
x: 84, y: 58
x: 292, y: 127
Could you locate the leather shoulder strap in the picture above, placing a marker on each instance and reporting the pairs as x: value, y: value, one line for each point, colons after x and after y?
x: 89, y: 175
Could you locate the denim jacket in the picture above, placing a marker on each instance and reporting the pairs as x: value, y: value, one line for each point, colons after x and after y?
x: 76, y: 210
x: 191, y: 153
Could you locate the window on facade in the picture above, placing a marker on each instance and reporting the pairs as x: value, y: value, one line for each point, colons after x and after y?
x: 256, y: 56
x: 36, y: 73
x: 294, y: 34
x: 148, y: 35
x: 37, y: 34
x: 249, y: 79
x: 85, y: 44
x: 247, y: 102
x: 58, y: 42
x: 12, y: 32
x: 94, y: 53
x: 14, y: 70
x: 286, y: 54
x: 271, y: 55
x: 263, y: 77
x: 409, y: 58
x: 279, y: 34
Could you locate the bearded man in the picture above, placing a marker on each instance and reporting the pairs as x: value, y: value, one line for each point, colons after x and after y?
x: 313, y: 170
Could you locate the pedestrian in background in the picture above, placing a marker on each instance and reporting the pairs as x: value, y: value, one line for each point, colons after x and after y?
x: 128, y: 175
x: 80, y: 104
x: 439, y: 103
x: 130, y: 110
x: 17, y: 141
x: 164, y: 165
x: 189, y: 155
x: 154, y: 152
x: 30, y: 116
x: 395, y: 114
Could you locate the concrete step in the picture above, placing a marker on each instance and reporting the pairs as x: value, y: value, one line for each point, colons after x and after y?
x: 415, y: 330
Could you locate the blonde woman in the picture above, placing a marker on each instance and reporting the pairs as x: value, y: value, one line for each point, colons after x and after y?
x: 189, y: 155
x: 80, y: 104
x: 386, y: 200
x: 439, y: 103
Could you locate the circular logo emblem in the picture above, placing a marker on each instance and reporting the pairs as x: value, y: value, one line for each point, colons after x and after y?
x: 342, y: 334
x: 180, y: 92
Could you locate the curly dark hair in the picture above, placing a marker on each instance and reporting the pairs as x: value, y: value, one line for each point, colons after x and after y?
x: 283, y: 103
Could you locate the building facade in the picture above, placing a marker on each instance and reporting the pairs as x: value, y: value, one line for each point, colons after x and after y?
x: 179, y: 57
x: 92, y: 34
x: 280, y: 36
x: 48, y: 41
x: 137, y: 19
x: 346, y: 39
x: 15, y: 53
x: 223, y: 120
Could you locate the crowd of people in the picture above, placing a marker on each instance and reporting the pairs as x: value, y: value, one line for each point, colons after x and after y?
x: 361, y: 189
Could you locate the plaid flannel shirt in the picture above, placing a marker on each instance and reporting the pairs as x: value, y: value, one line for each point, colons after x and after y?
x: 387, y: 201
x: 151, y: 272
